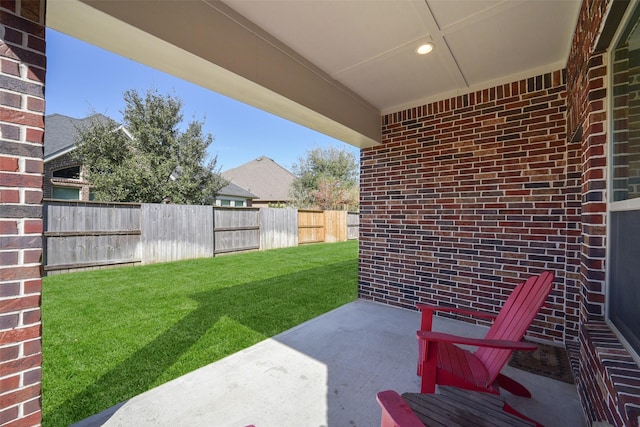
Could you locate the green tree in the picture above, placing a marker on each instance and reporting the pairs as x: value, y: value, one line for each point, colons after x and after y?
x: 327, y: 178
x: 148, y: 159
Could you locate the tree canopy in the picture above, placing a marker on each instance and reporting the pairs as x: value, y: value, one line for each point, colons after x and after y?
x: 327, y: 178
x: 148, y: 159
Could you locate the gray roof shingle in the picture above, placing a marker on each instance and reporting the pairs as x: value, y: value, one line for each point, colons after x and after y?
x: 233, y: 190
x: 60, y: 132
x: 262, y: 177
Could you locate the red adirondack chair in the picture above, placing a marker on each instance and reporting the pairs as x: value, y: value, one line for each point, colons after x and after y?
x: 443, y: 363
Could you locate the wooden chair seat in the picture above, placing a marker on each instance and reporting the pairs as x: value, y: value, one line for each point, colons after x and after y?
x: 455, y: 362
x: 451, y: 407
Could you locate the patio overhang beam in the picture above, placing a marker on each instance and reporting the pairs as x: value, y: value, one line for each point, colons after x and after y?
x: 209, y: 44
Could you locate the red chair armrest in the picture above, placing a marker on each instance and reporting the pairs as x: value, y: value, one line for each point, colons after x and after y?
x: 474, y: 313
x: 478, y: 342
x: 395, y: 411
x: 426, y: 322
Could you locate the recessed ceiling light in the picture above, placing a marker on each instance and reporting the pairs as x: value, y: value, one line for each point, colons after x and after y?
x: 425, y: 48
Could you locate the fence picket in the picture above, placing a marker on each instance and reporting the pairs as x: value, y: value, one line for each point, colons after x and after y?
x: 278, y: 228
x: 353, y: 225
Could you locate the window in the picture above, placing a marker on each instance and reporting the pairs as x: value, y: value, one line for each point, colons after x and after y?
x: 66, y: 193
x: 68, y: 173
x: 231, y: 203
x: 624, y: 184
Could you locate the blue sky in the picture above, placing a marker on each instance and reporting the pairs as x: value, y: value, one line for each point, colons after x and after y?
x: 82, y: 78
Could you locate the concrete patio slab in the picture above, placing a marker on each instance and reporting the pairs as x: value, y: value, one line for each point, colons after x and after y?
x: 325, y: 372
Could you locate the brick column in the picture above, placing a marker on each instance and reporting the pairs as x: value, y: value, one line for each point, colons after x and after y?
x: 22, y: 72
x: 586, y: 121
x: 608, y: 376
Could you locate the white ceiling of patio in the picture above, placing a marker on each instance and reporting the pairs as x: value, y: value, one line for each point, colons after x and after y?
x: 369, y: 46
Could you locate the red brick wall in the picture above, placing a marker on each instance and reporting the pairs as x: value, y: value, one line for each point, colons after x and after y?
x: 586, y: 81
x: 594, y: 206
x: 22, y: 71
x: 583, y: 45
x: 64, y: 161
x: 468, y: 196
x: 608, y: 379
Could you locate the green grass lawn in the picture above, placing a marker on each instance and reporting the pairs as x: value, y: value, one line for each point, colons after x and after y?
x: 109, y: 335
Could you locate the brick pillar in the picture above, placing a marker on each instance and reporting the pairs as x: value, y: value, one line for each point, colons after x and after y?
x: 22, y: 72
x: 586, y: 120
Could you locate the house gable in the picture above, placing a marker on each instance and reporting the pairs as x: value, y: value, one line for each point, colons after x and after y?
x: 59, y: 143
x: 263, y: 177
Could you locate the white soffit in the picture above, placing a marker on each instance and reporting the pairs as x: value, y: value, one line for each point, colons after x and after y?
x: 219, y: 50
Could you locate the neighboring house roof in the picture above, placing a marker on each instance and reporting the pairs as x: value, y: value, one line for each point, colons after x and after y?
x: 235, y: 191
x: 262, y: 177
x: 60, y: 133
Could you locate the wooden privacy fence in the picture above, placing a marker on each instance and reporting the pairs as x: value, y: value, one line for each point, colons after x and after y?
x: 86, y: 235
x: 236, y: 229
x: 173, y: 232
x: 310, y: 227
x: 353, y: 225
x: 279, y: 228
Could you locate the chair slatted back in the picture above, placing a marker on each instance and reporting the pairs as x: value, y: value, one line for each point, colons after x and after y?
x: 514, y: 319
